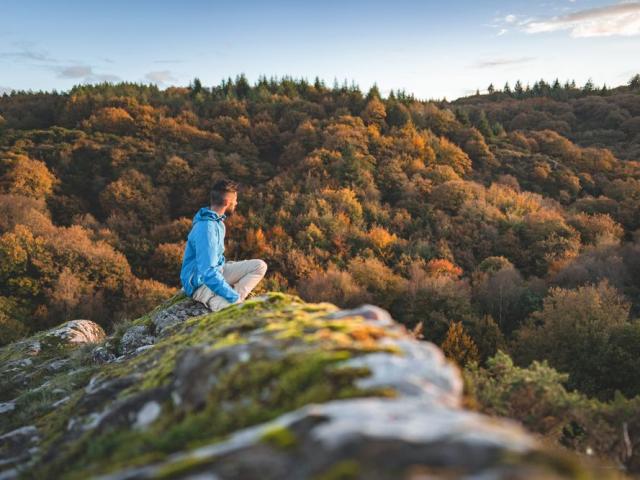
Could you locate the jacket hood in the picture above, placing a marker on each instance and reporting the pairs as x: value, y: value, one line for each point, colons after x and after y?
x: 205, y: 214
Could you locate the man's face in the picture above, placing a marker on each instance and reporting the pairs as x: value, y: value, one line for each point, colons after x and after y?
x: 231, y: 202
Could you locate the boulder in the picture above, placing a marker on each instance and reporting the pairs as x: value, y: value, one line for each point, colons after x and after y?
x: 270, y: 388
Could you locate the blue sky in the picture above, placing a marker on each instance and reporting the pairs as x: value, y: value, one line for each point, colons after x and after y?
x: 432, y: 49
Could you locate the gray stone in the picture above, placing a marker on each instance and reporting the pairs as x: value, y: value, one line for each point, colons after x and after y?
x: 101, y: 354
x: 421, y: 370
x: 373, y: 313
x: 16, y: 446
x: 16, y: 365
x: 78, y: 331
x: 135, y: 337
x: 178, y: 313
x: 56, y: 365
x: 148, y: 414
x: 60, y: 402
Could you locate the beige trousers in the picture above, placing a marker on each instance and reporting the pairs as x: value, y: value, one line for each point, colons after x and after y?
x: 243, y: 276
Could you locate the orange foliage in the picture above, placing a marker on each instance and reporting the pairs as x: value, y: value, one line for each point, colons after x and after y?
x: 442, y: 267
x: 25, y: 176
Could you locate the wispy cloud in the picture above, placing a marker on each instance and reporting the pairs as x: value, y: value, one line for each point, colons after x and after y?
x: 619, y: 19
x: 84, y: 72
x: 161, y: 76
x: 74, y: 71
x: 27, y: 51
x: 501, y: 62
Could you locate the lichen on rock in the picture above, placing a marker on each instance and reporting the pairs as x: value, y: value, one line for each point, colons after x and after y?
x: 269, y: 388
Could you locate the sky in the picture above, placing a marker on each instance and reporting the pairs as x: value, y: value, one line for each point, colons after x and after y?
x: 432, y: 49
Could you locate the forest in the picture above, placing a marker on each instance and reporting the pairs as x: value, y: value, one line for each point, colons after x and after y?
x: 504, y: 226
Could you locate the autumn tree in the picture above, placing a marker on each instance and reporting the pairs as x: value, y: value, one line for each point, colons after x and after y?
x: 459, y: 346
x: 22, y: 175
x: 375, y: 113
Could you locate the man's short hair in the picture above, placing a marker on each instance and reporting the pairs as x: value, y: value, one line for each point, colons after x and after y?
x: 220, y: 188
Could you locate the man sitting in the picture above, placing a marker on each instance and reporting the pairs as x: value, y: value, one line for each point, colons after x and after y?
x: 206, y: 276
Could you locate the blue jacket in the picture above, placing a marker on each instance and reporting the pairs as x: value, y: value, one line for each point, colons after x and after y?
x: 204, y: 256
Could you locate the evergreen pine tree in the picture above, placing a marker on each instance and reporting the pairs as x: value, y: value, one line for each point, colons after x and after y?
x: 519, y: 91
x: 373, y: 92
x: 588, y: 87
x: 195, y: 87
x: 462, y: 116
x: 483, y: 125
x: 242, y: 86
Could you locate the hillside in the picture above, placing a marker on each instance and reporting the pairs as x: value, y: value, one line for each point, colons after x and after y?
x: 503, y: 228
x: 271, y: 388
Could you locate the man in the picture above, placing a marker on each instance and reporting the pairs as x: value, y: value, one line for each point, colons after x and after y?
x: 206, y: 276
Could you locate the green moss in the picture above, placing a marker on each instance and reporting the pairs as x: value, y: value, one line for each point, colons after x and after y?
x: 279, y: 436
x: 234, y: 338
x: 254, y: 394
x: 344, y: 470
x: 305, y: 370
x: 181, y: 467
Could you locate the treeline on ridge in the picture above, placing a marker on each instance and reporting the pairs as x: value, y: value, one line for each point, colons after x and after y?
x: 495, y: 222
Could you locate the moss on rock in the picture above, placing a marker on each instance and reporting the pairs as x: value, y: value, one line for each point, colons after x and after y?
x: 262, y: 377
x: 262, y: 358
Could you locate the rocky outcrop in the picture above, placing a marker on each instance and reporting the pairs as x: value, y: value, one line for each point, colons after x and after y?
x: 271, y: 388
x: 36, y: 376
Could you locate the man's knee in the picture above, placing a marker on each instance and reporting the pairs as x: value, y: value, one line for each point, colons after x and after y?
x: 261, y: 267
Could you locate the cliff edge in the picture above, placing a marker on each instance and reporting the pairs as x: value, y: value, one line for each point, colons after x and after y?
x: 268, y: 389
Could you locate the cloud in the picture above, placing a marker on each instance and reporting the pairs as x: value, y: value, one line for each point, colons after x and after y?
x: 26, y: 51
x: 500, y: 62
x: 85, y: 72
x: 160, y: 76
x: 75, y: 71
x: 619, y: 19
x: 502, y: 32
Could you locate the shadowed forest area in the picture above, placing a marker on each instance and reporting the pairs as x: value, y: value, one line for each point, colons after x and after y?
x: 504, y: 227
